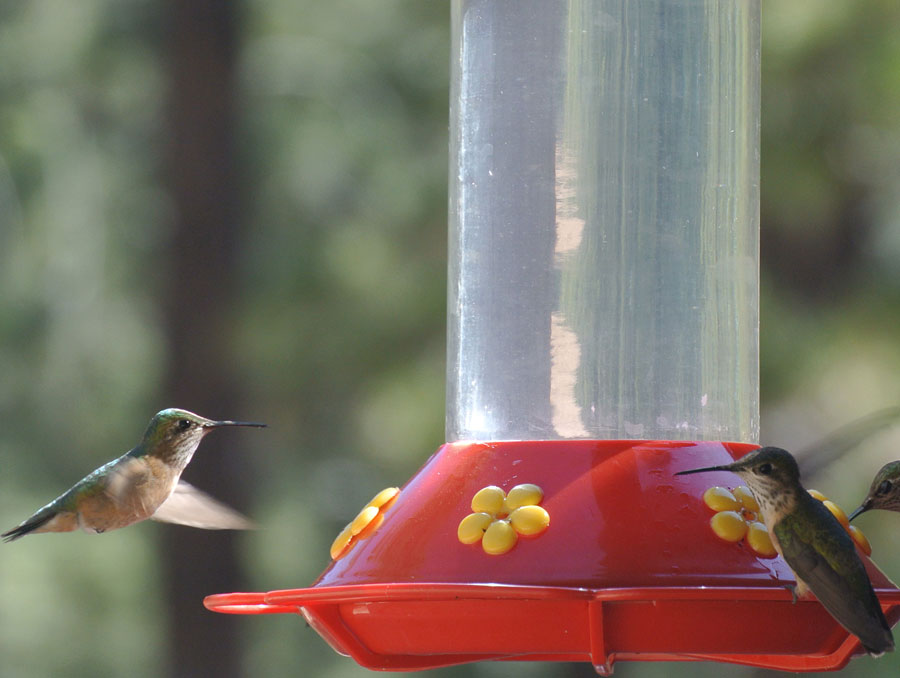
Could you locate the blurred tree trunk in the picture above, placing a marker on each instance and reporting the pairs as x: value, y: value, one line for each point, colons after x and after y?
x: 201, y: 271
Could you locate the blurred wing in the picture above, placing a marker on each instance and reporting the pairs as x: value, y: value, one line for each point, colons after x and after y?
x: 816, y: 457
x: 127, y: 481
x: 189, y: 506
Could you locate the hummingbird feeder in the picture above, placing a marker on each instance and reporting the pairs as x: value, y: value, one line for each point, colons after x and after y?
x: 602, y: 335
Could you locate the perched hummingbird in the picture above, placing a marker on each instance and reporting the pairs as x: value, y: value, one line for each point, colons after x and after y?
x: 815, y: 546
x: 884, y: 492
x: 143, y: 483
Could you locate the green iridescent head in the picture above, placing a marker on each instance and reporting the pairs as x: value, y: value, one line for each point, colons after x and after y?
x: 884, y: 493
x: 174, y: 434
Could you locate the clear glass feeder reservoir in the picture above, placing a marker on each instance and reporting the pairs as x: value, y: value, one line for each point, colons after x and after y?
x: 602, y: 335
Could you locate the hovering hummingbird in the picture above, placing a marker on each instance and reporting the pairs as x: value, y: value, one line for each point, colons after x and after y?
x: 884, y: 492
x: 815, y: 546
x: 143, y: 483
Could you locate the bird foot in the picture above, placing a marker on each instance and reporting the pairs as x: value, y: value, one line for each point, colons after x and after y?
x: 793, y: 589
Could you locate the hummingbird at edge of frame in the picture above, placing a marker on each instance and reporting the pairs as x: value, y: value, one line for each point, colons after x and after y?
x: 143, y: 483
x: 813, y: 543
x: 884, y: 493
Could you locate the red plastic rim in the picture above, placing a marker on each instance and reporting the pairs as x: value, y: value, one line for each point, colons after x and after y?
x: 628, y: 569
x: 689, y: 622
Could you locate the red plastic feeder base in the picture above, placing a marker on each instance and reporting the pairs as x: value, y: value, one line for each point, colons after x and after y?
x: 628, y: 569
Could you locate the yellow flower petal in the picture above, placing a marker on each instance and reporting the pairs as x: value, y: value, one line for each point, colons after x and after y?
x: 341, y: 542
x: 529, y: 519
x: 523, y: 495
x: 720, y: 499
x: 488, y: 500
x: 728, y: 525
x: 499, y: 538
x: 860, y: 540
x: 362, y: 519
x: 472, y: 527
x: 373, y: 525
x: 384, y: 497
x: 759, y: 540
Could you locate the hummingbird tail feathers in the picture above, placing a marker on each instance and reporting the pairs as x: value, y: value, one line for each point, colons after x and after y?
x: 877, y: 652
x: 880, y: 646
x: 35, y: 522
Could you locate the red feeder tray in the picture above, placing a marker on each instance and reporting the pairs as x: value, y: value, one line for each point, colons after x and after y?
x: 628, y: 569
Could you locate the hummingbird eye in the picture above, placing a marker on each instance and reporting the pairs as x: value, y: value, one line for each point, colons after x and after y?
x: 884, y: 487
x: 184, y: 424
x: 765, y: 469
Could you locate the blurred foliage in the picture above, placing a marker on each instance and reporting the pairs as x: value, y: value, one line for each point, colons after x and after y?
x: 339, y: 324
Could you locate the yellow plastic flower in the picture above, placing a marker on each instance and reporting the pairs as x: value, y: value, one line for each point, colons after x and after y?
x: 498, y: 518
x: 737, y: 517
x: 365, y: 522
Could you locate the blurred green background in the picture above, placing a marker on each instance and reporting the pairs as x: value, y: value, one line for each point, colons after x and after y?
x: 306, y: 289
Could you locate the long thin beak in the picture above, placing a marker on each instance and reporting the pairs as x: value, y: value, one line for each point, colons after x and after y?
x: 704, y: 470
x: 862, y: 509
x: 216, y: 424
